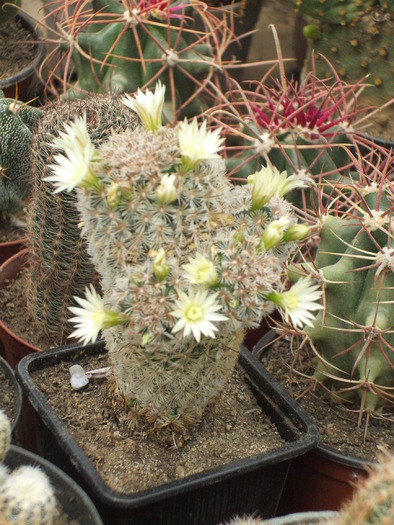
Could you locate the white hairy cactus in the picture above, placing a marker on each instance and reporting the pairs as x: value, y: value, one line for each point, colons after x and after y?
x: 5, y: 434
x: 182, y: 254
x: 27, y: 498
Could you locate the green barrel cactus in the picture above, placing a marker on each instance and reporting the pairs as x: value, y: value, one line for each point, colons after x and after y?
x: 186, y: 261
x: 355, y: 36
x: 59, y: 266
x: 120, y: 47
x: 17, y: 123
x: 304, y: 128
x: 354, y: 334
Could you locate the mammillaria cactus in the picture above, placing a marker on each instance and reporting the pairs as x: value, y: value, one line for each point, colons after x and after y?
x: 121, y: 46
x: 182, y: 256
x: 373, y: 499
x: 353, y: 335
x: 356, y: 37
x: 26, y: 495
x: 59, y: 265
x: 17, y: 123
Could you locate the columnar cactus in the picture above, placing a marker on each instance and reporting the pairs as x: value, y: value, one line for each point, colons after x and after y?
x: 17, y: 123
x: 354, y: 262
x: 179, y: 250
x: 121, y: 46
x: 59, y: 264
x: 356, y: 37
x: 373, y: 500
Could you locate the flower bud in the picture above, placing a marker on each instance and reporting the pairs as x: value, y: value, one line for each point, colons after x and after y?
x: 166, y: 191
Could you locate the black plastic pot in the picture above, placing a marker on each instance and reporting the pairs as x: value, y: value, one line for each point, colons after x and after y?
x: 22, y: 85
x: 245, y: 486
x: 322, y: 479
x: 72, y: 498
x: 9, y: 376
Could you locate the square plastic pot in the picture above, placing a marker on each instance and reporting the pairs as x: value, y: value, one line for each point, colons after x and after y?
x: 247, y: 486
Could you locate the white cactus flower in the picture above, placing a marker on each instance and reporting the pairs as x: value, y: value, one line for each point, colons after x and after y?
x: 274, y: 232
x: 77, y: 166
x: 75, y: 136
x: 196, y: 312
x: 299, y: 302
x: 166, y: 191
x: 148, y: 105
x: 197, y: 144
x: 200, y: 270
x: 269, y: 182
x: 92, y: 317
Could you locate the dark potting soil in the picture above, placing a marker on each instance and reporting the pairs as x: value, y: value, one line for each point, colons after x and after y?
x: 17, y: 49
x: 8, y: 230
x: 129, y: 456
x: 338, y: 424
x: 8, y: 396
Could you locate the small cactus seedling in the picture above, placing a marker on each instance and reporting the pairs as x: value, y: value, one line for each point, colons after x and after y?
x: 373, y: 500
x: 122, y: 46
x: 181, y: 252
x: 353, y: 335
x: 356, y: 37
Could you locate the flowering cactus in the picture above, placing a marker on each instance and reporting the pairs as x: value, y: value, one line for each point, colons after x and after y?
x: 122, y: 46
x: 184, y: 263
x: 356, y: 37
x: 354, y: 263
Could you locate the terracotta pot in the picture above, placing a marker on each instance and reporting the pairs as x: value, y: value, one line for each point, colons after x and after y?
x: 22, y: 85
x: 14, y: 348
x: 321, y: 480
x: 10, y: 248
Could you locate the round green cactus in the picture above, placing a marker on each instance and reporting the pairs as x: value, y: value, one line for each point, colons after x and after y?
x: 120, y: 47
